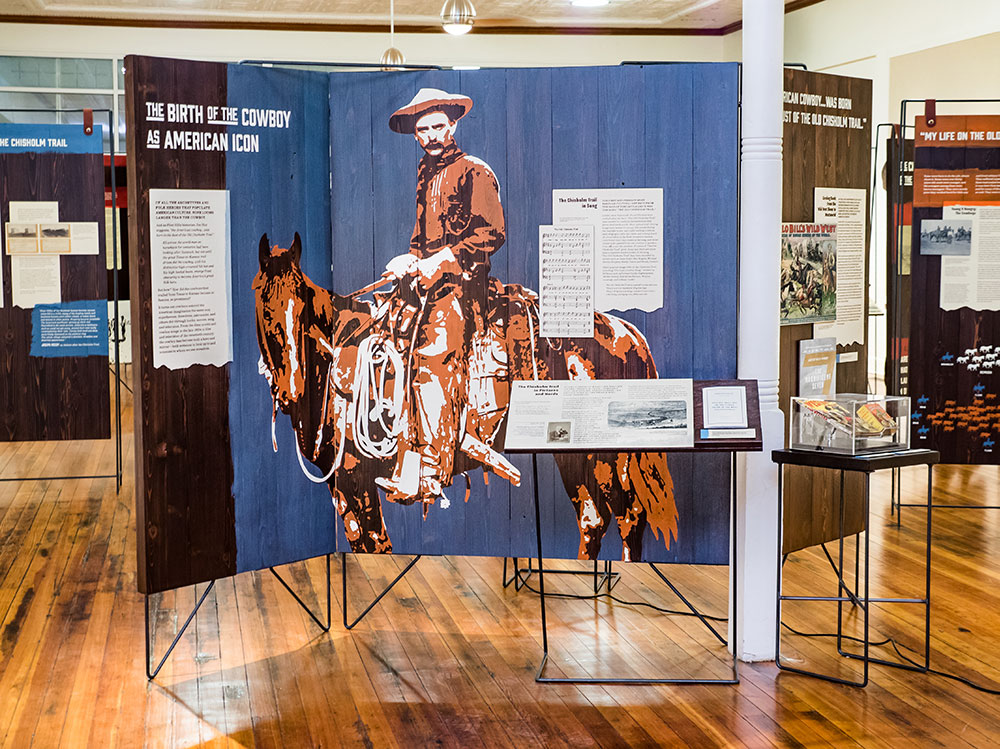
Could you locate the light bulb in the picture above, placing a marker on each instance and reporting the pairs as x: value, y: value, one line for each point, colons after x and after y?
x: 457, y: 16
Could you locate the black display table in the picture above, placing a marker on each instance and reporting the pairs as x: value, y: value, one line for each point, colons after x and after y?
x: 866, y: 464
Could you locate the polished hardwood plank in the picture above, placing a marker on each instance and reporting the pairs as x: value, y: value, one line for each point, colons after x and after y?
x: 449, y: 656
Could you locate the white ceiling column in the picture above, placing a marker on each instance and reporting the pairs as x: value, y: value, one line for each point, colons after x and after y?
x: 760, y: 264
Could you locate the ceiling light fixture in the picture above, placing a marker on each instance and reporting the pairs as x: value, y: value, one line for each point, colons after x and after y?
x: 457, y: 16
x: 392, y: 58
x: 588, y: 3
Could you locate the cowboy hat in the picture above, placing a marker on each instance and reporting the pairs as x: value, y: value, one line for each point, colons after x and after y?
x: 404, y: 119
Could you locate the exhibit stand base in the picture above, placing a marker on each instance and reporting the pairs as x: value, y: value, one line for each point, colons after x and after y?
x: 379, y: 597
x: 521, y: 574
x: 860, y: 600
x: 540, y: 676
x: 152, y: 671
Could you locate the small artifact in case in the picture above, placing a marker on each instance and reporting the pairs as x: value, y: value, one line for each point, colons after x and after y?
x: 850, y: 423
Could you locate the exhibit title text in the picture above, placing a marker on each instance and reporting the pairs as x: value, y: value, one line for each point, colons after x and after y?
x: 210, y: 115
x: 32, y: 142
x: 820, y: 119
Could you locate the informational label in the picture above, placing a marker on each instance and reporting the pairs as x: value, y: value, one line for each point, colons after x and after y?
x: 34, y: 211
x: 973, y: 280
x: 600, y: 414
x: 35, y: 279
x: 724, y: 407
x: 566, y: 281
x: 818, y: 367
x: 189, y: 261
x: 728, y: 434
x: 628, y: 237
x: 846, y: 208
x: 967, y: 141
x: 70, y: 329
x: 808, y: 273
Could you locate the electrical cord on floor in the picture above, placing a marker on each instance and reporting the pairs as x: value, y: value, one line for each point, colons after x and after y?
x: 896, y: 646
x: 616, y: 599
x: 880, y: 643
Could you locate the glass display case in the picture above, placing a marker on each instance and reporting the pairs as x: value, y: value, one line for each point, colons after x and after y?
x: 850, y: 423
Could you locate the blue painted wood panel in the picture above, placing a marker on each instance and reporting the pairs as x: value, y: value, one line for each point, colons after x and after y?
x: 673, y: 127
x: 283, y: 189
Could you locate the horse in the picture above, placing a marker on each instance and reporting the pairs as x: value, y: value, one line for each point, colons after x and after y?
x: 336, y: 366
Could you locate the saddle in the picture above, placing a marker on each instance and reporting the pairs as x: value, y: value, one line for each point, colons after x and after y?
x: 500, y: 325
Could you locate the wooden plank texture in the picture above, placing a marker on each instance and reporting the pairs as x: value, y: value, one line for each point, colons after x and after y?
x: 57, y: 398
x: 821, y: 156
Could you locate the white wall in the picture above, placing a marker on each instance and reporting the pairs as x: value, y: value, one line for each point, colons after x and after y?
x: 314, y: 46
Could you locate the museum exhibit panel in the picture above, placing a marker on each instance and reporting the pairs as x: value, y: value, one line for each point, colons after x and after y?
x: 53, y: 314
x: 253, y: 419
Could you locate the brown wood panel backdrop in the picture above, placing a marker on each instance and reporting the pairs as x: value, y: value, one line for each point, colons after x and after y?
x: 64, y: 397
x: 821, y: 156
x: 183, y: 462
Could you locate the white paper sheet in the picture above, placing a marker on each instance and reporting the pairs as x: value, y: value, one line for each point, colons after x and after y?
x: 628, y: 237
x: 35, y: 279
x: 566, y: 281
x: 974, y: 280
x: 600, y: 414
x: 846, y: 207
x: 84, y: 238
x: 34, y: 211
x: 189, y: 263
x: 724, y: 406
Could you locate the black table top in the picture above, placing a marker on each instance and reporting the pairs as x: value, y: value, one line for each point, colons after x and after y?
x: 867, y: 463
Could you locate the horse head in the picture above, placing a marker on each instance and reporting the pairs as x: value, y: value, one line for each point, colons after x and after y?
x: 281, y: 292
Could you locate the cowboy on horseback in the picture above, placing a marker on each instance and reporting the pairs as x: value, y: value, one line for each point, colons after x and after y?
x: 444, y: 275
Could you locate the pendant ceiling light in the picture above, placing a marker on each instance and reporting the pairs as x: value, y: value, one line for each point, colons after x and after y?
x: 392, y: 58
x: 457, y: 16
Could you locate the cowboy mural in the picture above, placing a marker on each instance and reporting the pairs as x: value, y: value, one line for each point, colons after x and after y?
x: 459, y: 224
x: 406, y: 392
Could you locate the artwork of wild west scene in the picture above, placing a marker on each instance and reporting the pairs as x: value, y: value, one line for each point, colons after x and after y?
x: 399, y: 391
x: 808, y: 273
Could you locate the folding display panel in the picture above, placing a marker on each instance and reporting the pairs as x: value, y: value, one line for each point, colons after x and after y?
x: 319, y: 194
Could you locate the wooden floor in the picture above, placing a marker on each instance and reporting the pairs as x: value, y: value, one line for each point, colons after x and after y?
x: 449, y: 657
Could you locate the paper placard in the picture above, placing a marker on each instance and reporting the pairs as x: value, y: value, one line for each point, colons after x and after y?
x: 566, y: 281
x: 189, y: 264
x: 35, y: 279
x: 724, y: 406
x: 628, y: 237
x: 728, y: 434
x: 600, y: 414
x: 845, y: 207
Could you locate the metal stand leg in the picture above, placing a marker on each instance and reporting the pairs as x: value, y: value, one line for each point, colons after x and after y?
x: 522, y: 574
x: 322, y: 626
x: 864, y: 602
x: 379, y: 597
x: 607, y: 576
x: 152, y: 672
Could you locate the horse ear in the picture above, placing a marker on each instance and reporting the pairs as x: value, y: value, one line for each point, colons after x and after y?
x: 264, y: 250
x: 296, y: 248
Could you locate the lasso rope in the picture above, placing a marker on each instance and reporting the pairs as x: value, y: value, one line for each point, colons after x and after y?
x: 375, y: 356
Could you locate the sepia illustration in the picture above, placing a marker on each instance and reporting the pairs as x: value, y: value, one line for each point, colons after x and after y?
x: 401, y: 387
